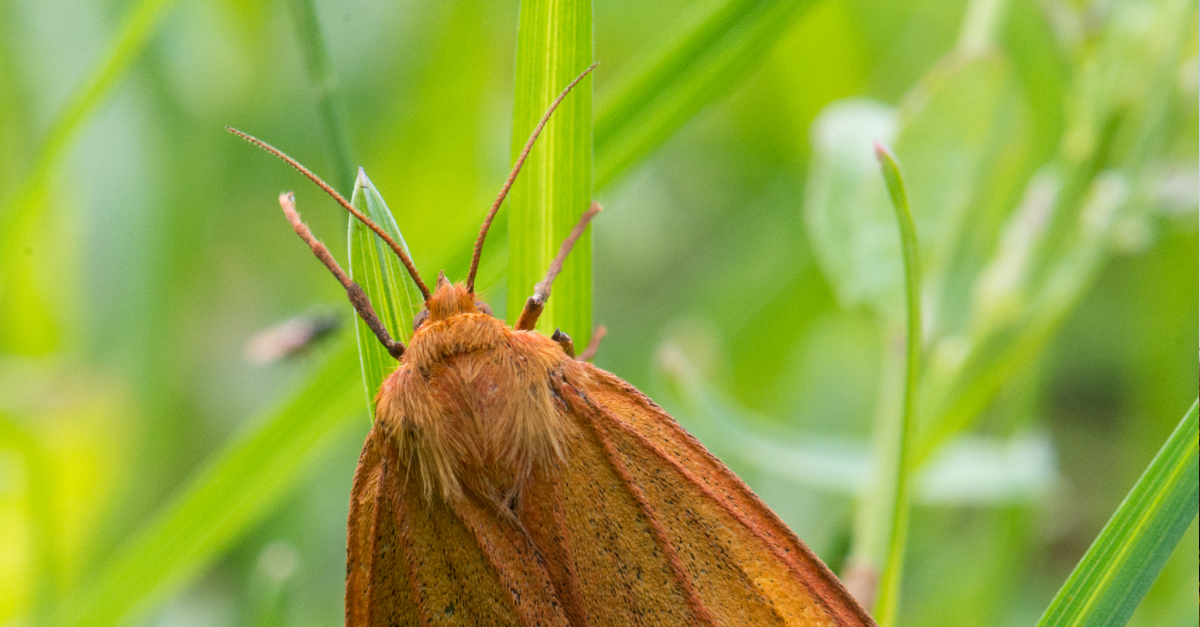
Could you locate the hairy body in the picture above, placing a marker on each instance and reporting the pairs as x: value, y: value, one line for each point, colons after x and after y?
x: 473, y: 401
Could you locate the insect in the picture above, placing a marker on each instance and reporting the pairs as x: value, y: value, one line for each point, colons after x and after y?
x: 507, y: 482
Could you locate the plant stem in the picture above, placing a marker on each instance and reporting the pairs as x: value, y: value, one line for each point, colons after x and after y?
x: 333, y: 120
x: 889, y: 587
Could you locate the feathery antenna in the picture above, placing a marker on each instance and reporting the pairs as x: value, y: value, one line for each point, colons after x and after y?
x: 512, y: 176
x: 341, y: 200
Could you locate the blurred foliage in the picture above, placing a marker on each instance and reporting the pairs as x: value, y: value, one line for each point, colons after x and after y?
x: 747, y: 267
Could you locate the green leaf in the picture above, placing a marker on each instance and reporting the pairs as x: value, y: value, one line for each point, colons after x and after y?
x: 889, y: 584
x: 962, y: 136
x: 239, y: 485
x: 850, y: 225
x: 1115, y: 573
x: 969, y: 470
x: 393, y: 294
x: 700, y: 59
x: 554, y: 44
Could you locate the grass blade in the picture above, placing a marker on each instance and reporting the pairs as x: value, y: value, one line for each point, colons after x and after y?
x: 1115, y: 573
x: 333, y: 118
x: 20, y: 212
x: 701, y: 59
x: 554, y: 44
x: 240, y: 485
x: 889, y: 584
x: 375, y: 267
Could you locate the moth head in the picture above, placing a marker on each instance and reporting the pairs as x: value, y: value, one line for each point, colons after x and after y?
x: 449, y: 300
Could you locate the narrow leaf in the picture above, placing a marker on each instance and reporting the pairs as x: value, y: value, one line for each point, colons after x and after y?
x: 240, y: 485
x: 333, y: 118
x: 375, y: 267
x: 21, y: 210
x: 889, y: 586
x: 849, y: 223
x: 1115, y: 573
x: 131, y: 39
x: 554, y: 44
x: 708, y: 52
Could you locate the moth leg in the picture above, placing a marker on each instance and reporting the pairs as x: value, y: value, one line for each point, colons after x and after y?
x: 565, y: 341
x: 357, y: 296
x: 541, y: 292
x: 589, y: 353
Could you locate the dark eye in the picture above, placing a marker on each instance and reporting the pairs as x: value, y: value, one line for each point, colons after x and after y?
x: 420, y: 319
x: 483, y: 307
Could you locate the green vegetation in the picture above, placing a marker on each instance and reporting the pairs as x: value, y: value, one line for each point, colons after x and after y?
x: 976, y: 434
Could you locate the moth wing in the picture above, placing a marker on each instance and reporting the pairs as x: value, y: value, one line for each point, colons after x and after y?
x: 379, y: 584
x: 651, y: 529
x: 418, y: 560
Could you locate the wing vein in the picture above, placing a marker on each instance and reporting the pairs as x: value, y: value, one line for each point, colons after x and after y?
x: 695, y: 604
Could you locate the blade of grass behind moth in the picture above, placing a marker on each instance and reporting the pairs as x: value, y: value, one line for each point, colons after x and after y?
x: 700, y: 59
x: 554, y: 44
x: 374, y: 266
x: 887, y: 602
x: 238, y: 486
x: 333, y: 119
x: 20, y: 211
x: 134, y: 33
x: 1115, y: 573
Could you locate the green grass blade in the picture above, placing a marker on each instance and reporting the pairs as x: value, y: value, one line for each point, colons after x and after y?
x: 554, y: 44
x: 1115, y: 573
x: 22, y: 209
x: 20, y: 212
x: 699, y: 60
x: 333, y: 118
x: 240, y: 485
x: 375, y: 267
x: 889, y: 584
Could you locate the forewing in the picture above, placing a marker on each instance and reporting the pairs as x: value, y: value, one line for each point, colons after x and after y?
x: 607, y: 563
x: 650, y: 513
x: 417, y: 560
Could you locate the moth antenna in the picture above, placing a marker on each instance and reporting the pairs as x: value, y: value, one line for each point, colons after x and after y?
x: 341, y: 200
x: 589, y: 353
x: 512, y: 176
x: 354, y: 291
x: 541, y: 291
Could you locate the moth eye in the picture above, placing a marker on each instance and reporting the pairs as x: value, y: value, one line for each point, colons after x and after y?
x: 420, y: 319
x: 483, y: 307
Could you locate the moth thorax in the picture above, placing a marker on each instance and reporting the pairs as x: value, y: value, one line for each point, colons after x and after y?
x: 483, y: 422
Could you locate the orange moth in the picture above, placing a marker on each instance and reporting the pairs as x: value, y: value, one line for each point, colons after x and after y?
x: 507, y: 482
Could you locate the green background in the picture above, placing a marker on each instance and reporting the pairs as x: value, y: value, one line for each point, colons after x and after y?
x: 129, y: 289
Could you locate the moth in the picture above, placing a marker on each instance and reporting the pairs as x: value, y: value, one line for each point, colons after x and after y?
x: 507, y: 482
